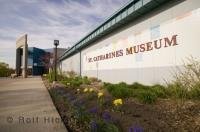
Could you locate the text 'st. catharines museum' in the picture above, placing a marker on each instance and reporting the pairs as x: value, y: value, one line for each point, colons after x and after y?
x: 143, y: 42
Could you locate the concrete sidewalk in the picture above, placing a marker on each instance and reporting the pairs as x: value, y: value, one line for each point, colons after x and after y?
x: 25, y: 106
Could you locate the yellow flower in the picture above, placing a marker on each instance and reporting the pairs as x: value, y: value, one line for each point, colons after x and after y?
x: 68, y: 84
x: 78, y: 90
x: 44, y: 75
x: 117, y: 102
x: 91, y: 89
x: 85, y: 90
x: 100, y: 94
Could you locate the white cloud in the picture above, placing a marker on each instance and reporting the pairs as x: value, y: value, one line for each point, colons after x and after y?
x: 46, y: 20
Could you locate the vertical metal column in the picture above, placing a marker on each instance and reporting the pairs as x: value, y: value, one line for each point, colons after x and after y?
x: 56, y: 43
x: 55, y: 63
x: 80, y: 64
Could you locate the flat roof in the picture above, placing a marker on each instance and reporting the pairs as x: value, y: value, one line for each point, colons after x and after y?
x: 129, y: 12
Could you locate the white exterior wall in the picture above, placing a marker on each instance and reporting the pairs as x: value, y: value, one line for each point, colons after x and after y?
x: 149, y: 67
x: 72, y: 64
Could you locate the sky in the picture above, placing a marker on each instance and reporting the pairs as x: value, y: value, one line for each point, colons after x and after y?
x: 46, y: 20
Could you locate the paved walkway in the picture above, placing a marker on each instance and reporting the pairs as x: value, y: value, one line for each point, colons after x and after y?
x: 25, y: 106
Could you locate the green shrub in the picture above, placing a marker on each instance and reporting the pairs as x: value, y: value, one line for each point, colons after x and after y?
x: 65, y: 82
x: 186, y: 83
x: 146, y: 94
x: 51, y: 76
x: 86, y: 80
x: 147, y: 97
x: 195, y: 92
x: 178, y: 91
x: 189, y: 76
x: 93, y: 79
x: 60, y: 77
x: 137, y: 85
x: 159, y: 90
x: 73, y: 82
x: 120, y: 90
x: 76, y: 82
x: 137, y: 92
x: 106, y: 84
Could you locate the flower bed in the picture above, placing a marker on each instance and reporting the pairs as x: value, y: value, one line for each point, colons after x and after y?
x: 105, y: 107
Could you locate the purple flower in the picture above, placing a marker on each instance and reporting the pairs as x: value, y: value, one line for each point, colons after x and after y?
x: 93, y: 126
x: 130, y: 129
x: 82, y: 101
x: 79, y: 103
x: 93, y: 110
x: 71, y: 98
x: 135, y: 129
x: 106, y: 116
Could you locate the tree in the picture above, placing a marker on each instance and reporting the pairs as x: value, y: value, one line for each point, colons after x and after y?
x: 5, y: 71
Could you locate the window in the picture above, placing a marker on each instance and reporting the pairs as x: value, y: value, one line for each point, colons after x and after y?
x: 130, y: 9
x: 146, y: 1
x: 113, y: 21
x: 105, y: 26
x: 138, y: 4
x: 92, y: 35
x: 101, y: 29
x: 124, y: 14
x: 155, y: 32
x: 108, y: 25
x: 118, y: 18
x: 139, y: 57
x: 98, y: 31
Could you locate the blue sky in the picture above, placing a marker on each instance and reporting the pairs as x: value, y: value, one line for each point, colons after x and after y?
x: 46, y: 20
